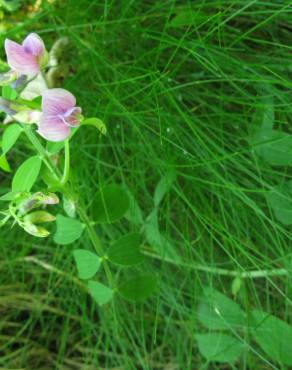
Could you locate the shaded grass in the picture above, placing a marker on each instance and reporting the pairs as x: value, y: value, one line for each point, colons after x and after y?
x: 182, y: 99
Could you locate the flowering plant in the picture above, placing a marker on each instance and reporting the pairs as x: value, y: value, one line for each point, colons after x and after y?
x: 49, y: 117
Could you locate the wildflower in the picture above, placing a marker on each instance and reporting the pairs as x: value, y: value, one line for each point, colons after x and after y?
x: 29, y: 58
x: 59, y: 115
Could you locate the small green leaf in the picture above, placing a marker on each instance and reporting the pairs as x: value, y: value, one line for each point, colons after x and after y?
x: 134, y: 213
x: 188, y: 17
x: 27, y: 174
x: 68, y: 230
x: 8, y: 93
x: 8, y: 196
x: 10, y: 136
x: 216, y: 311
x: 138, y: 288
x: 87, y: 263
x: 99, y: 292
x: 280, y: 200
x: 4, y: 165
x: 157, y: 240
x: 163, y: 187
x: 274, y: 336
x: 126, y: 250
x: 275, y: 148
x: 97, y: 123
x: 110, y: 204
x: 219, y: 347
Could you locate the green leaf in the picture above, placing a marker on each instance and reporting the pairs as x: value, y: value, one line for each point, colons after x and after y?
x: 274, y: 336
x: 216, y: 311
x: 280, y: 200
x: 10, y: 136
x: 276, y: 148
x: 134, y: 213
x: 8, y: 93
x: 219, y: 347
x: 188, y: 17
x: 99, y: 292
x: 157, y: 240
x: 138, y: 288
x: 163, y: 187
x: 87, y: 263
x: 4, y: 165
x: 27, y: 174
x: 68, y: 230
x: 97, y: 123
x: 110, y: 204
x: 126, y: 250
x: 8, y: 196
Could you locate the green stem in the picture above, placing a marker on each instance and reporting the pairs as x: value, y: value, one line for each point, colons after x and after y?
x: 66, y: 173
x: 96, y: 243
x: 66, y: 189
x: 41, y: 150
x: 223, y: 272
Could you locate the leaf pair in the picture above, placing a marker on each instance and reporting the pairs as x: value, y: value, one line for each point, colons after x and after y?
x: 218, y: 312
x: 136, y: 289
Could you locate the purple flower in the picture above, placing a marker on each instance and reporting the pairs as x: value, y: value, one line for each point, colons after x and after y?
x: 59, y: 115
x: 28, y: 58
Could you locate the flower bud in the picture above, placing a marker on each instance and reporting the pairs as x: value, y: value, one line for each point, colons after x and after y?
x: 34, y: 230
x: 28, y: 116
x: 37, y: 200
x: 38, y: 217
x: 7, y: 107
x: 7, y: 78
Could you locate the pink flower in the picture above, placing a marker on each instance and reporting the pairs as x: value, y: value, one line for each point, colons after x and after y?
x: 59, y: 115
x: 28, y: 58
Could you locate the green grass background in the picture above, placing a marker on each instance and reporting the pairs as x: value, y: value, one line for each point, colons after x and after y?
x: 180, y: 98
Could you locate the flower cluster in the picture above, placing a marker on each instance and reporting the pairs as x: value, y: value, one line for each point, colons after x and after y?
x: 59, y: 112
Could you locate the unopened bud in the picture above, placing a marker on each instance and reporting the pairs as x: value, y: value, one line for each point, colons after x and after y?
x: 37, y: 200
x: 39, y: 217
x: 34, y: 230
x: 7, y: 78
x: 28, y: 116
x: 7, y: 107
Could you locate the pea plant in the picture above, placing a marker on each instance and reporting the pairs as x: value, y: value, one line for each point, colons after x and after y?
x: 49, y: 118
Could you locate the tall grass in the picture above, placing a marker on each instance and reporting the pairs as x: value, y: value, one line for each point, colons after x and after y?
x: 180, y: 97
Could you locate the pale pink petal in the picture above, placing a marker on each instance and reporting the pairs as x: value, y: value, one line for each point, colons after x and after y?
x: 20, y: 60
x: 57, y: 101
x: 53, y: 128
x: 71, y: 117
x: 33, y: 44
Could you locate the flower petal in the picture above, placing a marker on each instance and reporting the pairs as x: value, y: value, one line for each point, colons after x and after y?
x: 53, y: 128
x: 33, y: 44
x: 20, y: 60
x: 57, y: 101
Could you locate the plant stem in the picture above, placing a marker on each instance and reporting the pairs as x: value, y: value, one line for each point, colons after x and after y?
x: 96, y: 243
x: 41, y: 150
x: 223, y: 272
x: 66, y: 173
x: 83, y: 216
